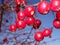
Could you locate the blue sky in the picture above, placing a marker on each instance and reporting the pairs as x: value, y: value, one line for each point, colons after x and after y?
x: 47, y: 22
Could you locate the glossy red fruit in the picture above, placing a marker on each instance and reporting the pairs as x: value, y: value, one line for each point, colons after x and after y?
x: 17, y: 9
x: 56, y: 24
x: 12, y: 27
x: 0, y: 28
x: 47, y: 32
x: 5, y: 40
x: 23, y: 2
x: 43, y: 7
x: 29, y: 11
x: 17, y: 2
x: 37, y: 24
x: 55, y: 5
x: 58, y: 15
x: 21, y: 15
x: 38, y: 36
x: 30, y: 20
x: 20, y: 24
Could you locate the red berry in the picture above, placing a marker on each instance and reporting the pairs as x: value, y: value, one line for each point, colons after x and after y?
x: 43, y: 7
x: 36, y: 24
x: 47, y: 32
x: 55, y: 5
x: 17, y: 2
x: 58, y: 15
x: 20, y: 24
x: 56, y: 24
x: 23, y: 2
x: 12, y: 28
x: 0, y: 29
x: 38, y: 36
x: 29, y: 10
x: 17, y: 9
x: 30, y: 20
x: 21, y: 15
x: 5, y: 40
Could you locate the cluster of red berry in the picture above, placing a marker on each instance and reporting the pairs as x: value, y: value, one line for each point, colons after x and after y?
x: 27, y: 16
x: 44, y: 7
x: 56, y: 22
x: 39, y: 36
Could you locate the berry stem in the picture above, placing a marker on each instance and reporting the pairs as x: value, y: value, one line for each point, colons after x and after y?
x: 28, y: 34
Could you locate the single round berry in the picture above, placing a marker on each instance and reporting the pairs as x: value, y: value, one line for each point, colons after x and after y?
x: 38, y: 36
x: 30, y: 20
x: 17, y: 9
x: 21, y: 24
x: 56, y: 24
x: 43, y: 7
x: 29, y: 11
x: 17, y: 2
x: 55, y: 5
x: 5, y: 40
x: 21, y: 15
x: 36, y: 24
x: 47, y: 32
x: 12, y: 27
x: 23, y: 2
x: 58, y: 15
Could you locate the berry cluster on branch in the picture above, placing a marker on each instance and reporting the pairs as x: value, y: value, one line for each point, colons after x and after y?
x: 26, y: 16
